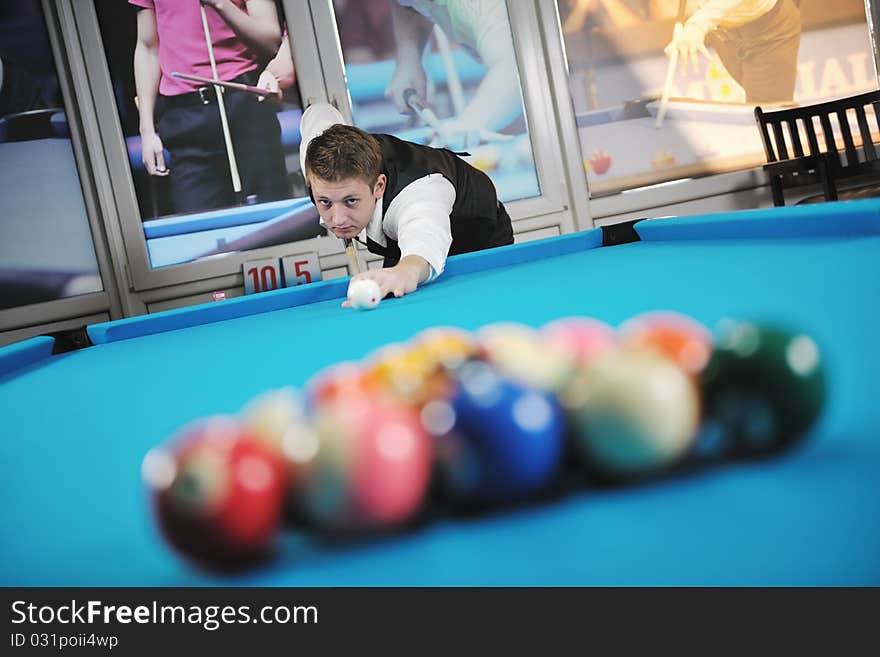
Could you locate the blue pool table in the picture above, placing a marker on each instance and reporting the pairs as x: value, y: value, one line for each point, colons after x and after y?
x: 76, y: 425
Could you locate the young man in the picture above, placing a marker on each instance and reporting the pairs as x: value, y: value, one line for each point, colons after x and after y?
x: 412, y: 204
x: 245, y: 35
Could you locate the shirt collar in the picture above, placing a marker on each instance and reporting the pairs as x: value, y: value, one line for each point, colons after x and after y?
x: 374, y: 228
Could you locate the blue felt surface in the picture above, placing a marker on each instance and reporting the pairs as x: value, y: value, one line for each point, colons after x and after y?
x: 77, y: 425
x: 21, y: 354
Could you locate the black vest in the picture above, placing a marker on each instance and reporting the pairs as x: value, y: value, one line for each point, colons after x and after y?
x: 479, y: 220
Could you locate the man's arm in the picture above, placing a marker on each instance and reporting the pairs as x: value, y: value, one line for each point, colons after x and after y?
x: 146, y: 78
x: 691, y: 37
x: 707, y: 17
x: 315, y: 120
x: 418, y: 218
x: 411, y: 31
x: 497, y: 100
x: 281, y: 67
x: 279, y: 73
x: 401, y: 279
x: 258, y: 27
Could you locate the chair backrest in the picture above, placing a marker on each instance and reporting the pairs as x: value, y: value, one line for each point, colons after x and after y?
x: 810, y: 130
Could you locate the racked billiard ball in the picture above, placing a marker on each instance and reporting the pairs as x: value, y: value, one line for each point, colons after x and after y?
x: 218, y: 493
x: 675, y: 335
x: 636, y: 413
x: 277, y: 419
x: 520, y: 353
x: 496, y: 439
x: 372, y: 467
x: 580, y: 338
x: 335, y: 382
x: 764, y: 386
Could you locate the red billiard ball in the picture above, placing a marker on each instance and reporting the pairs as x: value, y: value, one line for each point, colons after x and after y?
x: 217, y: 493
x: 600, y: 161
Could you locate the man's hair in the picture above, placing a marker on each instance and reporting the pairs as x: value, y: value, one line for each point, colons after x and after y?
x: 342, y: 152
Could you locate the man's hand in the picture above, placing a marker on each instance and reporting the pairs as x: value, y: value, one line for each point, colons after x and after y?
x: 153, y: 155
x: 216, y: 4
x: 269, y: 82
x: 687, y: 42
x: 407, y: 75
x: 459, y: 135
x: 399, y: 280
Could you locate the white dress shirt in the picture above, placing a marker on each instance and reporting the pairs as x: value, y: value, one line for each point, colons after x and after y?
x: 417, y: 218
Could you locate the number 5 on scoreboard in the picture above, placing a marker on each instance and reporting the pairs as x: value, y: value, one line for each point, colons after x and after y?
x: 301, y: 269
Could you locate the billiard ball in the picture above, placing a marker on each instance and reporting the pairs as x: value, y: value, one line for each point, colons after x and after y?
x: 364, y: 293
x: 446, y: 346
x: 400, y: 370
x: 580, y: 338
x: 600, y: 161
x: 485, y: 157
x: 217, y: 493
x: 636, y: 414
x: 520, y: 354
x: 419, y: 370
x: 278, y: 419
x: 335, y: 382
x: 662, y: 158
x: 373, y: 465
x: 764, y: 386
x: 496, y: 440
x: 675, y: 335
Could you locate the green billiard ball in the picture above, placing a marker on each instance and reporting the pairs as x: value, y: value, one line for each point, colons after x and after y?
x: 764, y: 387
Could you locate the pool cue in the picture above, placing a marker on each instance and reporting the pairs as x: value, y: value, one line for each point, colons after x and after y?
x: 426, y: 114
x: 221, y: 106
x: 670, y: 76
x: 456, y: 92
x: 352, y: 256
x: 670, y: 69
x: 259, y: 91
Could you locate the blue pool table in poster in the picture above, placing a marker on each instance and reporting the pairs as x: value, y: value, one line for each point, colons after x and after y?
x: 77, y: 425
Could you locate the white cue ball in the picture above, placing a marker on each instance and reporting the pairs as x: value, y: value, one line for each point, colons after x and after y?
x: 364, y: 293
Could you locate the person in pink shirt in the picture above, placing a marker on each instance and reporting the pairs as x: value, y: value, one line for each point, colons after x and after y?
x: 183, y: 116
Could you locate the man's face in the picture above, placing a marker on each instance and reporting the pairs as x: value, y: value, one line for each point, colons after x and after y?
x: 346, y: 207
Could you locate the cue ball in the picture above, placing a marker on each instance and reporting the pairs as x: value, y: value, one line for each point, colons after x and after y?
x: 364, y: 293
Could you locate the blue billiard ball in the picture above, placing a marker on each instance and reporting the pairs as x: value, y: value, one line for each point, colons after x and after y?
x: 497, y: 440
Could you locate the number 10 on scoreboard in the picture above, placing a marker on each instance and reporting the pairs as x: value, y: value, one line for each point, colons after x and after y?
x: 264, y: 275
x: 261, y: 275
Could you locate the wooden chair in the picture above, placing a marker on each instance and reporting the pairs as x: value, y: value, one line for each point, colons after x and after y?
x: 803, y: 148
